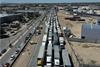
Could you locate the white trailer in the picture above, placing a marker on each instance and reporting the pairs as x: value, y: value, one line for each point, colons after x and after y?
x: 41, y: 54
x: 49, y: 54
x: 61, y: 39
x: 56, y: 56
x: 66, y: 59
x: 49, y: 49
x: 44, y: 38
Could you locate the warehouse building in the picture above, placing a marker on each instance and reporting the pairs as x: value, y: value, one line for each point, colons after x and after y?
x: 90, y: 32
x: 9, y: 23
x: 8, y: 18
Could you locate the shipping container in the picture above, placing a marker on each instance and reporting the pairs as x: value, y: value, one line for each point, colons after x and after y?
x: 49, y: 54
x: 59, y: 32
x: 50, y: 38
x: 41, y: 54
x: 66, y: 59
x: 50, y: 34
x: 44, y: 38
x: 61, y: 39
x: 56, y: 56
x: 46, y: 30
x: 55, y: 39
x: 48, y: 59
x: 55, y: 31
x: 62, y: 46
x: 49, y: 49
x: 48, y: 65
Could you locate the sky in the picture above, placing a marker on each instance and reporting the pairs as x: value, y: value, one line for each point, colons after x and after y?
x: 46, y: 1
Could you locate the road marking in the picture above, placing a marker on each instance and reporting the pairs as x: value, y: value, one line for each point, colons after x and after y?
x: 10, y: 48
x: 15, y: 43
x: 30, y: 27
x: 25, y: 33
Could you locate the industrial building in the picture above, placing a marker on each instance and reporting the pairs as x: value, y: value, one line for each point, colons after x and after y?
x: 90, y: 32
x: 8, y: 18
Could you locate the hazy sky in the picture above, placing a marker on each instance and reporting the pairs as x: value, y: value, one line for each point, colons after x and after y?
x: 46, y: 1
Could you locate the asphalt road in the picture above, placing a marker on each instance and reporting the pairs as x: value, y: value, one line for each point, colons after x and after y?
x: 4, y: 43
x: 19, y: 41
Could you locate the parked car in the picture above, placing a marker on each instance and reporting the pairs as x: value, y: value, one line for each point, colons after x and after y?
x: 12, y: 57
x: 3, y: 51
x: 17, y: 51
x: 0, y: 54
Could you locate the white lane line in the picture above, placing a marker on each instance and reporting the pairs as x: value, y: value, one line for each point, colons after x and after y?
x: 15, y: 42
x: 30, y: 27
x: 25, y: 33
x: 4, y: 53
x: 13, y: 45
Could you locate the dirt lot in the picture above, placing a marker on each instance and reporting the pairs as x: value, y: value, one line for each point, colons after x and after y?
x: 75, y: 26
x: 87, y: 53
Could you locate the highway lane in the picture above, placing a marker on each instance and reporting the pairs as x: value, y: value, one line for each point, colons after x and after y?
x: 4, y: 43
x: 6, y: 57
x: 11, y: 51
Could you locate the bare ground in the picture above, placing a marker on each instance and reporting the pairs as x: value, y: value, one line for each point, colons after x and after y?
x: 87, y: 53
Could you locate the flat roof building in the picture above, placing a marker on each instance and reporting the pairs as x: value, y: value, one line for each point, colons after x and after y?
x: 8, y: 18
x: 90, y: 32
